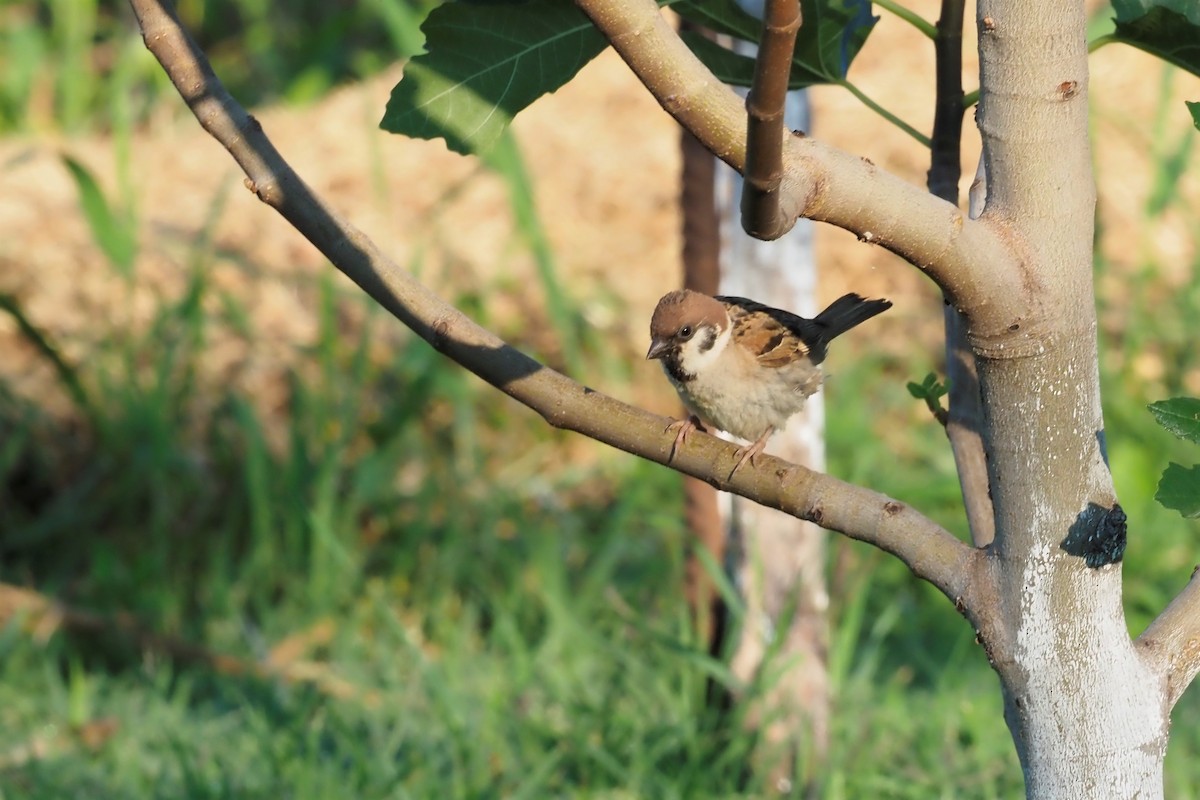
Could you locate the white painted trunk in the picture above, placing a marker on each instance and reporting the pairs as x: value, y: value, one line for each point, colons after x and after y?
x: 1088, y: 716
x: 777, y: 561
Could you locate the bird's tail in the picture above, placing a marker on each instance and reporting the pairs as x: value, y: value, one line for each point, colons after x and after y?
x: 846, y: 312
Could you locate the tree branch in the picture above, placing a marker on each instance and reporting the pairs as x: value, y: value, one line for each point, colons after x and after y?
x: 1171, y: 644
x: 929, y: 550
x: 762, y: 216
x: 973, y: 261
x: 965, y: 421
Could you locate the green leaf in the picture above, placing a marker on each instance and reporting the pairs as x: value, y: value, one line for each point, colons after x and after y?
x: 1179, y: 490
x: 928, y: 389
x: 486, y: 62
x: 1169, y: 29
x: 114, y: 234
x: 1180, y: 416
x: 830, y: 37
x: 721, y: 16
x: 1128, y: 10
x: 1195, y: 109
x: 931, y: 390
x: 729, y: 67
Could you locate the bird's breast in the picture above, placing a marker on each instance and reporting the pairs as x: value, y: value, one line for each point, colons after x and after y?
x: 747, y: 399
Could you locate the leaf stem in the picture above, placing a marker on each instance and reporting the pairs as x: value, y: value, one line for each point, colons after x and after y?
x: 911, y: 17
x: 883, y: 112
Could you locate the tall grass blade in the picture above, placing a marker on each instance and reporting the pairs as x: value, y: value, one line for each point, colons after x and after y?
x: 1173, y: 152
x: 67, y: 374
x: 505, y: 158
x: 113, y: 232
x: 73, y: 24
x: 403, y: 25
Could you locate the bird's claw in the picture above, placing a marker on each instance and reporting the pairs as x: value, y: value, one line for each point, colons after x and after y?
x: 683, y: 429
x: 750, y: 452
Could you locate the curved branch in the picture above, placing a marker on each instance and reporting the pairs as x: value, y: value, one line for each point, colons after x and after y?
x: 1172, y: 642
x: 973, y: 261
x: 762, y: 217
x: 929, y: 550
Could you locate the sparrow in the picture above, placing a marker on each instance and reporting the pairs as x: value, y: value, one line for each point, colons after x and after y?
x: 742, y: 366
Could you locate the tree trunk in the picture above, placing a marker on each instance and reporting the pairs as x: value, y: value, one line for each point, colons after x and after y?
x: 1087, y: 715
x: 701, y: 273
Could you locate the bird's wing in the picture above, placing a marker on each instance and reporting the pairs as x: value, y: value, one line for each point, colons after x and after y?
x: 774, y: 337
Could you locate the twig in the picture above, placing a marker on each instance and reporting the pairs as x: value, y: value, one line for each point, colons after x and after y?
x: 946, y: 142
x: 965, y: 419
x: 762, y: 217
x: 964, y: 425
x: 928, y: 549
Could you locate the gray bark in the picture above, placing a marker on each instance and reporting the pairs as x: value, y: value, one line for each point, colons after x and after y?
x: 1088, y: 717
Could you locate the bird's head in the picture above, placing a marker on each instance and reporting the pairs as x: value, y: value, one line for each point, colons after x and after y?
x: 688, y: 330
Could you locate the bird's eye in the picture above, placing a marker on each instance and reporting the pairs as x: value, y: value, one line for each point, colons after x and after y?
x: 686, y: 332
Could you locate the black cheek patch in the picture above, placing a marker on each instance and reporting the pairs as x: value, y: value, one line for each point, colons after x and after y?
x: 710, y: 338
x: 675, y: 369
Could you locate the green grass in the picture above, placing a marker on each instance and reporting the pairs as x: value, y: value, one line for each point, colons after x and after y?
x: 76, y: 64
x: 511, y: 631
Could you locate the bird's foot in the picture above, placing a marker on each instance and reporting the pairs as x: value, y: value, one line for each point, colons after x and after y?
x: 750, y: 452
x: 683, y: 429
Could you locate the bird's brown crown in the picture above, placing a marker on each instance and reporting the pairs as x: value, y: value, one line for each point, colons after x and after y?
x: 685, y: 307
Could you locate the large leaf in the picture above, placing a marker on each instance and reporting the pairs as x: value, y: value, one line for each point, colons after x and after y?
x: 1194, y: 108
x: 1179, y: 490
x: 1169, y: 29
x: 721, y: 16
x: 729, y: 67
x: 485, y: 62
x: 1180, y: 416
x: 832, y: 33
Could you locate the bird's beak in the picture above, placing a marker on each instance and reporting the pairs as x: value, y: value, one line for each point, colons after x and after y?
x: 658, y: 348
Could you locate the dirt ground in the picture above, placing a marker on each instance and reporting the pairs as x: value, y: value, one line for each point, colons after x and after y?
x: 605, y: 162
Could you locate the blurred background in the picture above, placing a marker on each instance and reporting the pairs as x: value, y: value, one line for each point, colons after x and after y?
x: 256, y: 540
